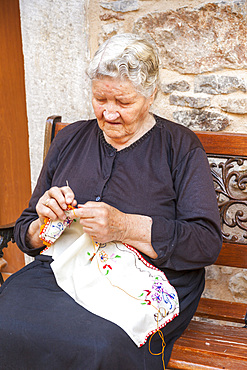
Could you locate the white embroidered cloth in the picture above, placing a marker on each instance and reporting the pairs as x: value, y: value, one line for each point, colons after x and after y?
x: 113, y: 281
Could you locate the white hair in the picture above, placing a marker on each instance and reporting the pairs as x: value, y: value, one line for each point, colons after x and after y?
x: 127, y: 56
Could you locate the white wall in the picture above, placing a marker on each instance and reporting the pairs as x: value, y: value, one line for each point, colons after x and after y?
x: 55, y: 47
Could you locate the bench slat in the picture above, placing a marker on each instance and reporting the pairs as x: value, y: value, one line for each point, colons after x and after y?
x: 221, y: 310
x: 233, y: 255
x: 191, y: 359
x: 223, y: 143
x: 210, y: 346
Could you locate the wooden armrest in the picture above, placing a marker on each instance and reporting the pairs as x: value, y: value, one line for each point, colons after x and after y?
x: 6, y: 235
x: 7, y: 226
x: 3, y: 263
x: 50, y: 132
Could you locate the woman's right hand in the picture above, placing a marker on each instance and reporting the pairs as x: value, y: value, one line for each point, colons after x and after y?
x: 54, y: 202
x: 51, y: 205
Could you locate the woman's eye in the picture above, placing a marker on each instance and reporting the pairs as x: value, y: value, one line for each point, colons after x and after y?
x: 100, y: 100
x: 124, y: 103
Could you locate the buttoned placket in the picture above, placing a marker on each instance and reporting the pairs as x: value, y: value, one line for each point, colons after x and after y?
x: 106, y: 174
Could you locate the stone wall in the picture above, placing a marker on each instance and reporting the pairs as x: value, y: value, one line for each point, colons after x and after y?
x: 55, y: 47
x: 202, y: 46
x: 203, y: 53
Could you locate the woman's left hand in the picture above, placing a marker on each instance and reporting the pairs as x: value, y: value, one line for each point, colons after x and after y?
x: 105, y: 223
x: 102, y: 222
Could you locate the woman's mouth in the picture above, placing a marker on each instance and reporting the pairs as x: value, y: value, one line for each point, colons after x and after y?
x: 113, y: 123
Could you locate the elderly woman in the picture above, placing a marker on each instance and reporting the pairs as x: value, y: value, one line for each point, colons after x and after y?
x: 132, y: 177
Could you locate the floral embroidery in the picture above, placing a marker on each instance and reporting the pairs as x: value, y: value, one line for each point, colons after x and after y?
x: 160, y: 296
x: 108, y: 267
x: 104, y: 257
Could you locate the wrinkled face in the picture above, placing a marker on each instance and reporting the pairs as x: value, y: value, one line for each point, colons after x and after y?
x: 122, y: 113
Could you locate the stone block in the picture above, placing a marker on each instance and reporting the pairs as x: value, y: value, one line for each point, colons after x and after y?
x: 189, y: 101
x: 215, y: 84
x: 121, y: 5
x: 207, y: 38
x: 201, y: 120
x: 110, y: 16
x: 238, y: 284
x: 108, y: 30
x: 238, y: 106
x: 212, y: 272
x: 226, y: 270
x: 175, y: 86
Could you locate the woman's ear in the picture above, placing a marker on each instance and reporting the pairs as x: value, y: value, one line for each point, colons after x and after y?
x: 152, y: 97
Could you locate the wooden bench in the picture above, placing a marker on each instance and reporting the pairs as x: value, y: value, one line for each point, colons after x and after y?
x: 216, y: 338
x: 219, y: 339
x: 6, y: 235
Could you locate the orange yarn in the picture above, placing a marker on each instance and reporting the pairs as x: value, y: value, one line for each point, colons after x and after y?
x: 72, y: 208
x: 162, y: 353
x: 42, y: 228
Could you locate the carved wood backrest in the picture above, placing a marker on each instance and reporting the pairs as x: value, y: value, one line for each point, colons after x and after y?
x: 227, y: 155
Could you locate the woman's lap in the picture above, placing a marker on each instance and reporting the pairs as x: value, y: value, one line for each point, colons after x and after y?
x: 41, y: 327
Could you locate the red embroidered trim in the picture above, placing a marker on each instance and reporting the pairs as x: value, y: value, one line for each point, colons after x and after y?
x: 156, y: 269
x: 160, y: 327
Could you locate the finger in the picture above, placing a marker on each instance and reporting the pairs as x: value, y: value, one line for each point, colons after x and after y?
x: 92, y: 213
x: 80, y: 213
x: 74, y: 203
x: 94, y: 209
x: 63, y: 196
x: 84, y: 212
x: 56, y: 194
x: 69, y: 195
x: 91, y: 204
x: 55, y: 207
x: 53, y: 203
x: 44, y: 211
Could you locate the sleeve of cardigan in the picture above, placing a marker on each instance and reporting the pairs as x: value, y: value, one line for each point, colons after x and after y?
x: 29, y: 214
x: 192, y: 240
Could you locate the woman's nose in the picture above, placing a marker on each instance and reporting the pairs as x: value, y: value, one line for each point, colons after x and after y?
x: 110, y: 114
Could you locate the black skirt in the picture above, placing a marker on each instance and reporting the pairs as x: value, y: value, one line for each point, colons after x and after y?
x: 42, y: 327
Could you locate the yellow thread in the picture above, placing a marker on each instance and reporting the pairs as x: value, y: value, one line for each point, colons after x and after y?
x: 95, y: 251
x: 163, y: 343
x: 162, y: 353
x: 71, y: 208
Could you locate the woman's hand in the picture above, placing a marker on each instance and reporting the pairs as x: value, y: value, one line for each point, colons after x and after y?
x: 101, y: 221
x: 105, y: 223
x: 54, y: 202
x: 52, y: 205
